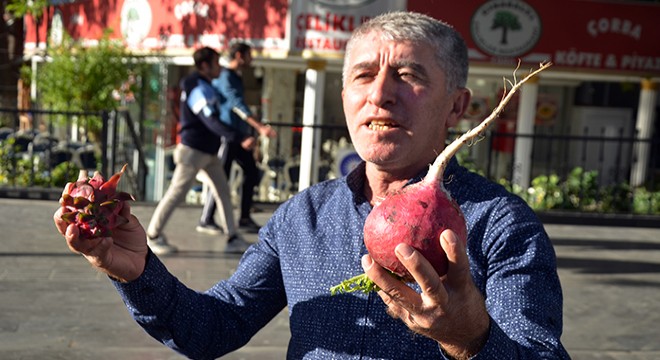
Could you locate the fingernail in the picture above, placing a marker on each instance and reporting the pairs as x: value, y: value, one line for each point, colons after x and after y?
x: 367, y: 262
x: 450, y: 237
x: 404, y: 250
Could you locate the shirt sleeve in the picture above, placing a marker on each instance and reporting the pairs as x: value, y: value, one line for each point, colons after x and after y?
x: 231, y: 87
x: 206, y: 325
x: 522, y: 290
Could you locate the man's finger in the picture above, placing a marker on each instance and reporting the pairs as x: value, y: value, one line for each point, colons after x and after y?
x: 71, y: 234
x: 390, y: 286
x: 60, y: 224
x: 459, y: 267
x: 422, y: 271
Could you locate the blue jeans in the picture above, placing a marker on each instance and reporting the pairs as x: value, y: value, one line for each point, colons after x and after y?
x: 229, y: 153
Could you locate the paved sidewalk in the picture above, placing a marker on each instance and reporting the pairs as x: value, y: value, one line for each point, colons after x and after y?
x: 54, y: 306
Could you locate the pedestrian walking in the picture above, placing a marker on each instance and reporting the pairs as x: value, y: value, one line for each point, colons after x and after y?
x: 238, y: 143
x: 200, y: 135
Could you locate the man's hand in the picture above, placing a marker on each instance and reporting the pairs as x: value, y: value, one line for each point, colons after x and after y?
x: 450, y: 309
x: 122, y: 256
x: 266, y: 130
x: 249, y: 143
x: 262, y: 129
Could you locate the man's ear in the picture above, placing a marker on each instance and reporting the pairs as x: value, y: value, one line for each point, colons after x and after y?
x: 204, y: 67
x: 460, y: 104
x: 240, y: 57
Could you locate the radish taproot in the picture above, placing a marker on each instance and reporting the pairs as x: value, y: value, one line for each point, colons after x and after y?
x: 418, y: 213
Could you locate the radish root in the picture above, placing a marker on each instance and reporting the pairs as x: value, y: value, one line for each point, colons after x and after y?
x: 441, y: 162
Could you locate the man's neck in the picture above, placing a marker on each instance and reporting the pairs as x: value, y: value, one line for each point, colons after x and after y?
x: 204, y: 76
x: 234, y: 65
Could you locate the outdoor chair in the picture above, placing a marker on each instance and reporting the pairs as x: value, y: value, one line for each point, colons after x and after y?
x: 85, y: 158
x: 5, y: 132
x: 59, y: 155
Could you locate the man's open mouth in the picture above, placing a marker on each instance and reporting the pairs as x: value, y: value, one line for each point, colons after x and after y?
x: 382, y: 125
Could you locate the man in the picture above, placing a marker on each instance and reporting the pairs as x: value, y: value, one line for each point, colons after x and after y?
x: 404, y: 85
x: 239, y: 143
x: 200, y: 133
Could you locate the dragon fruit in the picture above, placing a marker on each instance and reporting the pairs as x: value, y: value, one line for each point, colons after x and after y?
x: 93, y: 204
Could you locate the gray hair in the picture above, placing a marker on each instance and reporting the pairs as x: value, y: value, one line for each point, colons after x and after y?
x: 450, y: 48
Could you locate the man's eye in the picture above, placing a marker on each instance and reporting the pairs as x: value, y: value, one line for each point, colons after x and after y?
x: 362, y: 75
x: 407, y: 75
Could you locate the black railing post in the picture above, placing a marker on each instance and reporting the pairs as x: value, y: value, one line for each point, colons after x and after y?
x: 601, y: 156
x: 104, y: 142
x: 585, y: 145
x: 489, y: 172
x: 618, y: 156
x: 141, y: 175
x: 113, y: 141
x: 549, y: 149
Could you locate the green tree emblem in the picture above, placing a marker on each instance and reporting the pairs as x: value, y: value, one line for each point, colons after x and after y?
x: 506, y: 21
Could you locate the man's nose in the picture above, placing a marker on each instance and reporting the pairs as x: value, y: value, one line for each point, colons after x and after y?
x: 383, y: 89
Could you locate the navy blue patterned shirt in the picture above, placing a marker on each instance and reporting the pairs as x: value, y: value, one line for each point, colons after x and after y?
x: 315, y: 240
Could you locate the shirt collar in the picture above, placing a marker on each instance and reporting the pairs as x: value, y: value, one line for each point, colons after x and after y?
x: 356, y: 178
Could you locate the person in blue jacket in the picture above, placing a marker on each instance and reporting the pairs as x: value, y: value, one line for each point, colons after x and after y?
x: 238, y: 143
x: 404, y: 84
x: 200, y: 132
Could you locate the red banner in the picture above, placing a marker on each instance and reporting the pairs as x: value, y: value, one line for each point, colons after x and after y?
x: 590, y: 35
x: 170, y: 24
x: 601, y: 36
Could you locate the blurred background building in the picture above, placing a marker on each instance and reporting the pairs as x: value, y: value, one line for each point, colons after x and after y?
x: 595, y: 108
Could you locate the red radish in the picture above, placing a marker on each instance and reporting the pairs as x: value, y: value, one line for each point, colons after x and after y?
x: 415, y: 215
x: 419, y: 213
x: 93, y: 204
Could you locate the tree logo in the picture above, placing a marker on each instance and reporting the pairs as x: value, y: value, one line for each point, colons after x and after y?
x: 56, y: 29
x: 135, y: 21
x: 505, y: 28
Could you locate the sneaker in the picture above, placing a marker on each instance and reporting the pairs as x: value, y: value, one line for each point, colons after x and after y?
x: 159, y: 245
x: 211, y: 229
x: 248, y: 225
x: 236, y: 245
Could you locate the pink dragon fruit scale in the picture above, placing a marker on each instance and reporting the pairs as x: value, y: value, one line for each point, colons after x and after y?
x: 93, y: 204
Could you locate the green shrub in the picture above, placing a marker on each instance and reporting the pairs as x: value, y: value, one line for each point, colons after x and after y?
x: 580, y: 191
x: 64, y: 173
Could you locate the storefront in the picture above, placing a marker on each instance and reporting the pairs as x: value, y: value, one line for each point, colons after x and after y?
x: 604, y: 79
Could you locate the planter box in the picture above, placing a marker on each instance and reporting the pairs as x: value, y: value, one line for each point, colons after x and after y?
x: 35, y: 193
x: 599, y: 219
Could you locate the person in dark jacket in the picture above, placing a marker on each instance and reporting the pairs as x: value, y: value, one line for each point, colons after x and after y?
x: 200, y: 132
x: 238, y: 143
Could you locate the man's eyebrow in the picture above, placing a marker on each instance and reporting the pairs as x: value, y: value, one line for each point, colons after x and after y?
x: 362, y: 65
x: 415, y: 66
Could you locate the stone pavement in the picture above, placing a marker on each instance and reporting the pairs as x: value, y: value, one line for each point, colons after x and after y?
x: 54, y: 306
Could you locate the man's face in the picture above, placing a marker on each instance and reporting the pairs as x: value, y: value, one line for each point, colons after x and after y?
x: 245, y: 59
x: 212, y: 69
x: 215, y: 68
x: 396, y: 103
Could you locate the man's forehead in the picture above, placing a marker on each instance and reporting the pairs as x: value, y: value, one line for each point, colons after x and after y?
x: 372, y: 52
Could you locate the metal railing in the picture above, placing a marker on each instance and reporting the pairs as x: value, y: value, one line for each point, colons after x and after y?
x: 609, y: 158
x: 44, y: 148
x: 123, y: 145
x: 613, y: 155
